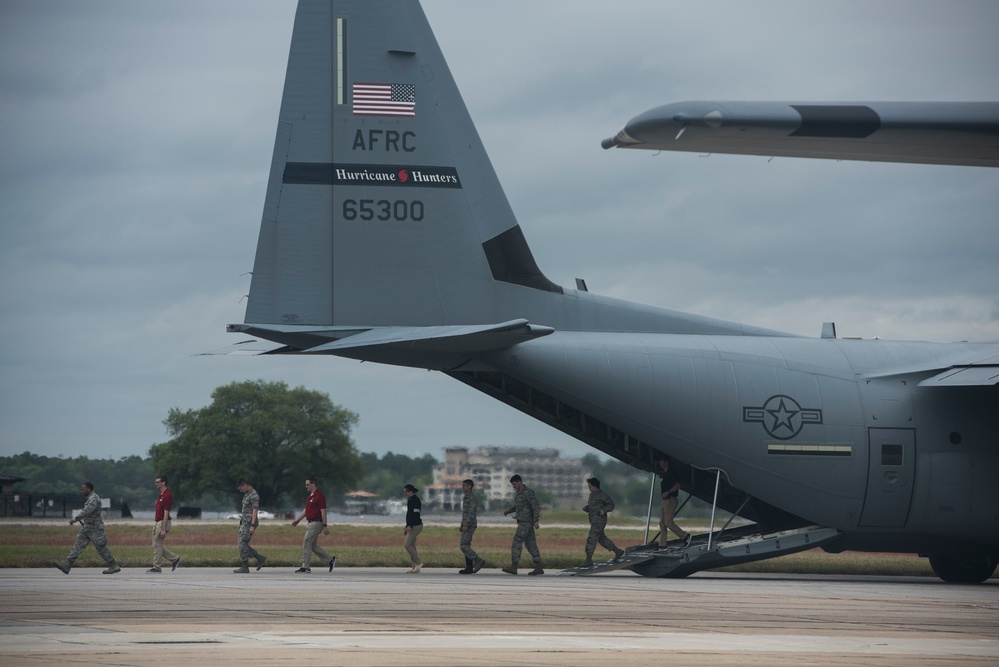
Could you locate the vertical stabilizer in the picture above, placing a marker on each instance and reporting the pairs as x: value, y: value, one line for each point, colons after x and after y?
x: 382, y: 207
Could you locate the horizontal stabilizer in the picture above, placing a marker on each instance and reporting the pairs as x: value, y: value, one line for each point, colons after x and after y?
x: 464, y: 339
x: 246, y: 348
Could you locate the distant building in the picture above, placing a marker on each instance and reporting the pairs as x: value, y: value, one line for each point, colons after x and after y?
x: 11, y: 503
x: 7, y: 482
x: 362, y: 502
x: 492, y: 468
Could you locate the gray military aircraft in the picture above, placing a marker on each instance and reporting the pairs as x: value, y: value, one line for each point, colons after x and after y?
x: 386, y: 237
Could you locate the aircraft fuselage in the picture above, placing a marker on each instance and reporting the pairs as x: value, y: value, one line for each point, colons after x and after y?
x: 808, y: 424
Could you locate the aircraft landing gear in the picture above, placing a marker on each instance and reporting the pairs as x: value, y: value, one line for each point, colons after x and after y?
x: 963, y: 568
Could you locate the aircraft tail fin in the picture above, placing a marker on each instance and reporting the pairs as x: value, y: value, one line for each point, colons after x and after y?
x: 382, y: 207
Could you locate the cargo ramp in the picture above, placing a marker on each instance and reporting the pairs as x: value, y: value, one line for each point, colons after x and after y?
x: 712, y: 550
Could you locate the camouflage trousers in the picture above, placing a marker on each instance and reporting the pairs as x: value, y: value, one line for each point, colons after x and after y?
x: 246, y: 552
x: 597, y: 535
x: 85, y: 537
x: 524, y: 537
x: 466, y: 544
x: 160, y: 550
x: 309, y: 546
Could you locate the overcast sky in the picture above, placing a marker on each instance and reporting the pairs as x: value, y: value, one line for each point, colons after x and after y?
x: 137, y: 138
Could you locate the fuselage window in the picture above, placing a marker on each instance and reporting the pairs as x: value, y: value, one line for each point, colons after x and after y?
x: 891, y: 455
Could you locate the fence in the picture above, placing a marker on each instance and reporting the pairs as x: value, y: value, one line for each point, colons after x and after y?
x: 50, y: 505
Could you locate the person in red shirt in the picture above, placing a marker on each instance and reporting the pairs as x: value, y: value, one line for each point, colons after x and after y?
x: 315, y: 514
x: 161, y: 527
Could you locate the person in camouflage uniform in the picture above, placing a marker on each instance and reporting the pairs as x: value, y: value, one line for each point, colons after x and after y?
x: 248, y: 522
x: 469, y: 514
x: 527, y: 511
x: 597, y: 507
x: 91, y: 530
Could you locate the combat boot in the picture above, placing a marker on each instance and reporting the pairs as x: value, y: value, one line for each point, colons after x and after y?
x: 244, y: 569
x: 510, y: 570
x: 477, y: 565
x: 536, y: 570
x: 113, y: 568
x: 468, y: 567
x: 588, y: 562
x: 260, y: 561
x: 65, y: 567
x: 618, y: 553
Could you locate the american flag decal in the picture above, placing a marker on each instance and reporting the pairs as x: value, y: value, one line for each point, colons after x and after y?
x: 384, y: 99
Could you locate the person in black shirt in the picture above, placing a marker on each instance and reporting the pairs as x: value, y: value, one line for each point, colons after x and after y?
x: 668, y: 488
x: 414, y: 524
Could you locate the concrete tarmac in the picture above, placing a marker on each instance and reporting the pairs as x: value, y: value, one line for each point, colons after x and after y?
x: 381, y: 616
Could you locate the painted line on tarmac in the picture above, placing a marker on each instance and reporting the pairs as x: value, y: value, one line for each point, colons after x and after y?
x: 523, y: 641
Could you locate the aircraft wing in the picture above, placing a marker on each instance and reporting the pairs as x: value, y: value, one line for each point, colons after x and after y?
x: 954, y: 133
x: 977, y: 369
x: 964, y: 376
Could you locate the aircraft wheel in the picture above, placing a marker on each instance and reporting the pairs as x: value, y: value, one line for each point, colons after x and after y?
x: 651, y: 570
x: 674, y: 575
x: 963, y: 569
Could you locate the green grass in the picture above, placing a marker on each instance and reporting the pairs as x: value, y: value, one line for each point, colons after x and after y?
x: 203, y: 545
x: 214, y: 545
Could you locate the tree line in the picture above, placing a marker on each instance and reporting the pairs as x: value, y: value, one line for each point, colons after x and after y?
x: 274, y: 437
x: 264, y: 432
x: 130, y: 478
